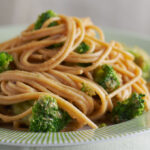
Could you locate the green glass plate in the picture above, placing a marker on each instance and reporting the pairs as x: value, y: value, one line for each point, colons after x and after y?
x: 135, y: 126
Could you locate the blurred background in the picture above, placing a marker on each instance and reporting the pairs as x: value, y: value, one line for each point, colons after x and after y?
x: 131, y: 15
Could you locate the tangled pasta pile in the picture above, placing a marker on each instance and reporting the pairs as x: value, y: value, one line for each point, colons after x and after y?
x: 65, y: 62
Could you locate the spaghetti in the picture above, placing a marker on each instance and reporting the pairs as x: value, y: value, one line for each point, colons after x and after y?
x: 59, y: 71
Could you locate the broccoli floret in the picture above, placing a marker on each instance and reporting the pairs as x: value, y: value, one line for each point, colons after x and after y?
x: 43, y: 17
x: 20, y: 108
x: 84, y: 64
x: 102, y: 125
x: 55, y: 23
x: 56, y: 45
x: 107, y: 77
x: 46, y: 116
x: 87, y: 89
x: 82, y: 48
x: 5, y: 60
x: 142, y: 60
x: 128, y: 109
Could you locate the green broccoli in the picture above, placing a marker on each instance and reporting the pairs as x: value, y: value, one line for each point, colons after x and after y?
x: 56, y: 45
x: 43, y: 17
x: 55, y: 23
x: 87, y: 89
x: 142, y: 60
x: 20, y: 108
x: 5, y: 60
x: 107, y: 77
x: 128, y: 109
x: 84, y: 64
x: 102, y: 125
x: 46, y: 116
x: 82, y: 48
